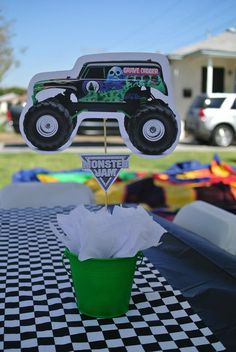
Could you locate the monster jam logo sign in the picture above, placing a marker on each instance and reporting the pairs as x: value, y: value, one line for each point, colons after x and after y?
x: 105, y: 167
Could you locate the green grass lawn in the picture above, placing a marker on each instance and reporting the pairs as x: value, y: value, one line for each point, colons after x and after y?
x: 13, y: 162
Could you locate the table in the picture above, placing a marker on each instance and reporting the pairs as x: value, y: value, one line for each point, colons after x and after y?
x: 38, y: 310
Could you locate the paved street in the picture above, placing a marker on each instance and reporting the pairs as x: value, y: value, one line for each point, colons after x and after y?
x: 11, y: 142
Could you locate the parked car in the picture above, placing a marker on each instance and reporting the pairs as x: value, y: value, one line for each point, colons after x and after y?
x: 212, y: 118
x: 13, y: 116
x: 92, y: 127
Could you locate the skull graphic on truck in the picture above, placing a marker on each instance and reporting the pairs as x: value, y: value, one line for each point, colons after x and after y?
x: 132, y: 91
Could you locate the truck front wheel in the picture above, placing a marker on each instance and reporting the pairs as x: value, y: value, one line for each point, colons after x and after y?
x: 153, y: 129
x: 48, y: 125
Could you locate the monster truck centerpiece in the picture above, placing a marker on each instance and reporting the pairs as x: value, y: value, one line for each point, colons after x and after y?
x: 132, y: 91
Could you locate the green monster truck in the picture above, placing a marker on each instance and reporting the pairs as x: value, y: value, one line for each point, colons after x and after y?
x: 113, y: 87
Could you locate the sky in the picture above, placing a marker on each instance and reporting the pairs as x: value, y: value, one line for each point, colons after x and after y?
x: 49, y: 35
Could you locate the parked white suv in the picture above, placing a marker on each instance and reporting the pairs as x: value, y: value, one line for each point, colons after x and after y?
x: 213, y: 118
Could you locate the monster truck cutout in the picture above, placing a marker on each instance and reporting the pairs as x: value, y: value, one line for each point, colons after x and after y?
x: 130, y: 87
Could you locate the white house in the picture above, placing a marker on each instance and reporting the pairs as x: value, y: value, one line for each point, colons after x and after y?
x: 6, y: 99
x: 205, y: 67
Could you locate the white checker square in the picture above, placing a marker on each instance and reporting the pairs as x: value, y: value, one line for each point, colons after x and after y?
x: 27, y: 328
x: 206, y: 331
x: 169, y: 322
x: 40, y: 308
x: 40, y: 297
x: 12, y: 311
x: 62, y: 340
x: 150, y: 317
x: 185, y: 305
x: 189, y: 327
x: 53, y: 300
x: 145, y: 339
x: 158, y: 330
x: 46, y: 333
x: 114, y: 343
x: 218, y: 346
x: 82, y: 346
x: 73, y: 317
x: 42, y: 320
x: 95, y: 336
x: 26, y: 303
x: 91, y: 322
x: 167, y: 345
x: 9, y: 337
x: 176, y: 292
x: 178, y: 313
x: 139, y: 281
x: 195, y: 318
x: 142, y: 305
x: 132, y: 313
x: 8, y: 299
x: 58, y: 325
x: 180, y: 335
x: 170, y: 300
x: 11, y: 323
x: 108, y: 327
x: 161, y: 309
x: 127, y: 333
x: 121, y: 320
x: 198, y: 341
x: 139, y: 324
x: 155, y: 284
x: 68, y: 305
x: 77, y: 330
x: 47, y: 348
x: 135, y: 349
x: 56, y: 313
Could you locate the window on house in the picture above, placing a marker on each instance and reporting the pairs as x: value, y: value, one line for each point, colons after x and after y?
x: 187, y: 92
x: 218, y: 79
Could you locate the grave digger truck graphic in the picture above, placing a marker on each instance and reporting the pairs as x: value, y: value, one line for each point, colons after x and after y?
x: 124, y: 90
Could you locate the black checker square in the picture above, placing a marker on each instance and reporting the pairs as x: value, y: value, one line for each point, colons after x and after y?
x: 38, y: 309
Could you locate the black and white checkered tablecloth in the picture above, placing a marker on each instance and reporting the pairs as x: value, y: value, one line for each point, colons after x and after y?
x: 38, y: 310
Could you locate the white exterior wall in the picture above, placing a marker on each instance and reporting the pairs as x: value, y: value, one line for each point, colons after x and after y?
x: 187, y: 73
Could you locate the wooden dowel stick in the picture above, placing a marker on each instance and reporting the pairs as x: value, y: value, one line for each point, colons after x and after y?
x: 105, y: 150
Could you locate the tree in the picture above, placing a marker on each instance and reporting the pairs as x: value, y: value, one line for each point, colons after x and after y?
x: 17, y: 90
x: 6, y: 51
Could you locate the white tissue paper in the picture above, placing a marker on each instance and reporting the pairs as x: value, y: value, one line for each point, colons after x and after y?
x: 105, y: 233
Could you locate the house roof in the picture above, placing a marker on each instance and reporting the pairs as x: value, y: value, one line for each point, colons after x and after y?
x: 8, y: 97
x: 221, y: 45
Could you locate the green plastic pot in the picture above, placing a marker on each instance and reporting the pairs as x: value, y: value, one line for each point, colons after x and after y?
x: 102, y: 286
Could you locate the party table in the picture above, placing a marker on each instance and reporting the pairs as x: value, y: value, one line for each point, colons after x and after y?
x: 38, y: 311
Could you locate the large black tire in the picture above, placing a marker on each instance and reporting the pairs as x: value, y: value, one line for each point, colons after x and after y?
x: 127, y: 123
x: 64, y: 101
x: 48, y: 125
x: 153, y: 129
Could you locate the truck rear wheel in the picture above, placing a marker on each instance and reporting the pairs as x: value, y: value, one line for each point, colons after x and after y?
x: 153, y: 129
x: 48, y: 125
